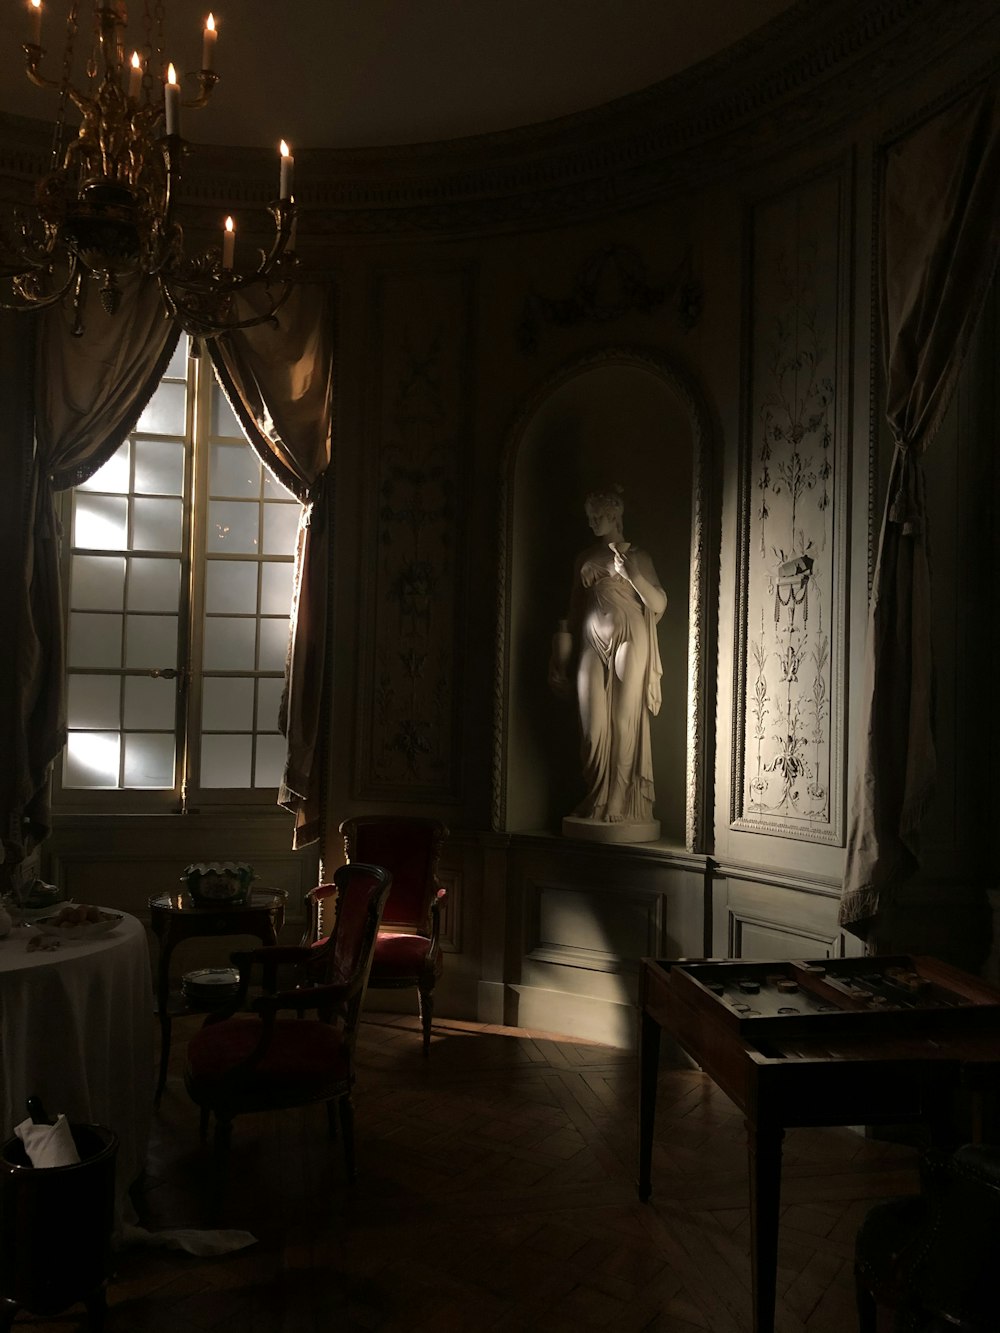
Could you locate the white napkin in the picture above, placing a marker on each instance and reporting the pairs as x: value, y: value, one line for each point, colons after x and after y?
x: 48, y: 1145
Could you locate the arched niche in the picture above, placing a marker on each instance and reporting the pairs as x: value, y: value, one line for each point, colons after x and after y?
x: 629, y: 417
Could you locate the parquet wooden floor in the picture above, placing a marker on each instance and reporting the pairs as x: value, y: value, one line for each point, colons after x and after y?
x: 496, y: 1192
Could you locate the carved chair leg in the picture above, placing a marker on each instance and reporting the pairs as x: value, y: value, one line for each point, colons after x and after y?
x: 97, y: 1306
x: 426, y: 994
x: 867, y: 1309
x: 222, y: 1141
x: 347, y: 1129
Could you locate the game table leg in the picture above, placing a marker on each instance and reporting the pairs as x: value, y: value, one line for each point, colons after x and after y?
x: 649, y: 1068
x: 764, y: 1163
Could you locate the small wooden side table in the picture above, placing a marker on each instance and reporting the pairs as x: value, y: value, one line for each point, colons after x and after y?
x: 173, y: 917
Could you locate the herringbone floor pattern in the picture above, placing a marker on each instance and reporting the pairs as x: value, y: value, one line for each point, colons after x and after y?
x: 496, y: 1192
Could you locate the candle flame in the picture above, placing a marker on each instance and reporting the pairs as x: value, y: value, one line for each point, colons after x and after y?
x: 230, y: 225
x: 210, y: 23
x: 36, y: 4
x: 171, y: 74
x: 284, y: 150
x: 136, y: 62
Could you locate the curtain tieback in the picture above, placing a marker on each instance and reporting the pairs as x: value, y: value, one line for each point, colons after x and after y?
x: 906, y: 509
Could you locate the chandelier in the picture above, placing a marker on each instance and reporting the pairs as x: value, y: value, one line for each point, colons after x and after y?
x: 104, y: 210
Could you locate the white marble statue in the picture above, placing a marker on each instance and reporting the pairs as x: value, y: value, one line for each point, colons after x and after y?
x: 609, y: 641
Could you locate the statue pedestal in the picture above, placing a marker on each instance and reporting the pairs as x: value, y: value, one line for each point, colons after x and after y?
x: 600, y: 830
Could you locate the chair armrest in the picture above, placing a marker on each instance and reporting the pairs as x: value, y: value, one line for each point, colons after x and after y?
x: 436, y: 906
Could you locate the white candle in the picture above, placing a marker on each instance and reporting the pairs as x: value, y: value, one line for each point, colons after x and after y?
x: 35, y: 11
x: 172, y: 102
x: 228, y: 243
x: 208, y: 45
x: 287, y: 166
x: 135, y: 77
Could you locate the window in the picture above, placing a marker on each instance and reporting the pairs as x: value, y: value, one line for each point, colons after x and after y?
x: 179, y: 574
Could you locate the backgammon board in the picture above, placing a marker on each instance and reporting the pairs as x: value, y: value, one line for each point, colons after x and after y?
x: 850, y: 1041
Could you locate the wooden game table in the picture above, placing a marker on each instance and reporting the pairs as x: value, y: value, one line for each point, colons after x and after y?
x: 835, y: 1042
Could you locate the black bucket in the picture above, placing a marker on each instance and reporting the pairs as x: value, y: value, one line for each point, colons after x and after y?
x: 56, y: 1224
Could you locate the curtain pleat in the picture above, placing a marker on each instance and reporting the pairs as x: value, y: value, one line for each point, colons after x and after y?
x: 278, y: 377
x: 940, y: 238
x: 89, y: 392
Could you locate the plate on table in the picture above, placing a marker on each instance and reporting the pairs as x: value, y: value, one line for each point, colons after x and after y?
x: 210, y: 985
x: 64, y: 927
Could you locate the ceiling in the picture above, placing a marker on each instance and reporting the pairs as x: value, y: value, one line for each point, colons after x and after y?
x: 363, y: 73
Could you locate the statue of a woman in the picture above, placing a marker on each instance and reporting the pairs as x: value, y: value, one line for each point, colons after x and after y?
x: 609, y: 641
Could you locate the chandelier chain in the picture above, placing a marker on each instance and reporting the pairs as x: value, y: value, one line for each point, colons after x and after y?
x: 59, y: 130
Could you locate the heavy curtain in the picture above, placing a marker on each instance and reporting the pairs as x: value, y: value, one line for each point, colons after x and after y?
x: 278, y: 377
x: 89, y: 392
x: 940, y: 237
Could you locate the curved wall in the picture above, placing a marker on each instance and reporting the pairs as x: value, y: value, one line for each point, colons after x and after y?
x: 465, y: 283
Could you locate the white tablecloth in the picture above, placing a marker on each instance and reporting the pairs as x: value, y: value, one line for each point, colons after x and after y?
x: 76, y: 1030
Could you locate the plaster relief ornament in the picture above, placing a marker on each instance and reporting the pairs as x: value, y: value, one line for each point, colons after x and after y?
x: 607, y: 648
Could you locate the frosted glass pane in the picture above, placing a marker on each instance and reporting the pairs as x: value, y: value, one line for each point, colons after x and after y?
x: 225, y: 761
x: 281, y: 524
x: 151, y: 641
x: 154, y: 585
x: 166, y: 411
x: 268, y: 703
x: 234, y: 470
x: 112, y: 475
x: 98, y: 583
x: 93, y: 701
x: 100, y: 522
x: 229, y: 644
x: 157, y: 525
x: 270, y: 761
x: 273, y: 490
x: 224, y: 420
x: 149, y: 761
x: 227, y: 705
x: 177, y: 369
x: 150, y: 702
x: 273, y: 644
x: 232, y: 526
x: 231, y: 585
x: 159, y: 467
x: 91, y: 759
x: 95, y: 640
x: 276, y: 588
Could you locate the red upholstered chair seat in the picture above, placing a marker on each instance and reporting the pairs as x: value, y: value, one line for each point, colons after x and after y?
x: 401, y: 957
x: 303, y: 1055
x: 252, y: 1056
x: 408, y: 951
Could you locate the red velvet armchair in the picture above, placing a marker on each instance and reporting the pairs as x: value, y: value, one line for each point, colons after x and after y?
x: 240, y: 1062
x: 407, y: 951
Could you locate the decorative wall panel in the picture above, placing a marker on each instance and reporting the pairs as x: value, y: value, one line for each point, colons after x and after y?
x: 791, y: 658
x: 408, y: 722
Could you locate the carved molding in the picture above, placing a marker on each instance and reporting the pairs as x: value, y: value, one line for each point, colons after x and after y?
x: 799, y: 76
x: 791, y: 632
x: 567, y: 954
x: 408, y: 724
x: 609, y: 284
x: 703, y: 573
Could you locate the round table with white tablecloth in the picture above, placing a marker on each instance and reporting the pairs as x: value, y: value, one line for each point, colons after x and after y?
x: 75, y: 1031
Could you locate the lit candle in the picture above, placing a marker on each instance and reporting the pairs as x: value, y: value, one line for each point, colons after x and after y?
x: 172, y: 101
x: 35, y: 11
x: 228, y: 243
x: 135, y: 77
x: 208, y: 45
x: 287, y: 165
